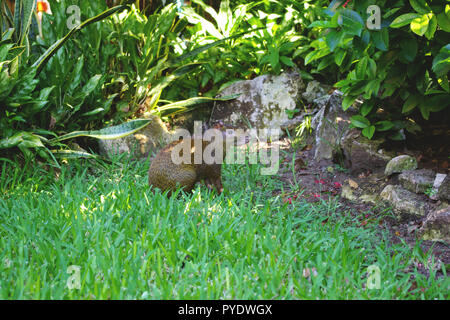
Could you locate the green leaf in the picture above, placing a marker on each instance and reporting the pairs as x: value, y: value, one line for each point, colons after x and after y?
x: 432, y: 26
x: 411, y: 103
x: 424, y: 110
x: 351, y: 22
x: 366, y: 108
x: 359, y: 121
x: 404, y: 19
x: 443, y: 21
x: 287, y: 61
x: 23, y: 140
x: 368, y: 132
x: 361, y: 68
x: 420, y: 25
x: 420, y: 6
x: 348, y: 101
x: 441, y: 62
x: 322, y: 24
x: 316, y: 54
x: 73, y: 154
x: 339, y: 56
x: 333, y: 38
x: 113, y: 132
x: 437, y: 102
x: 381, y: 39
x: 183, y: 104
x: 384, y: 125
x: 274, y: 57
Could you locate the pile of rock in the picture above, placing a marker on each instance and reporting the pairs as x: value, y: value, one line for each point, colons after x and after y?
x: 407, y: 196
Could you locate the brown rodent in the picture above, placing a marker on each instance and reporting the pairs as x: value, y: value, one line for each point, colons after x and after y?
x: 167, y: 175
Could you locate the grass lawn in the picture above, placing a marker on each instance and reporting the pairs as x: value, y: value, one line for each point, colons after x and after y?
x: 129, y: 243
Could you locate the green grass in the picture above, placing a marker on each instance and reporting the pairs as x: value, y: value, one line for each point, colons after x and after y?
x: 244, y: 244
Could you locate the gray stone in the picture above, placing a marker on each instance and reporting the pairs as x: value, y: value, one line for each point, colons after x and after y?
x: 314, y: 90
x: 362, y: 154
x: 440, y: 177
x: 444, y: 189
x: 262, y: 104
x: 436, y: 226
x: 403, y: 201
x: 329, y: 125
x: 418, y: 181
x: 400, y: 164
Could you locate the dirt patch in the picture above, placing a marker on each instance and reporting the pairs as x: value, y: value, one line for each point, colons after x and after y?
x: 325, y: 180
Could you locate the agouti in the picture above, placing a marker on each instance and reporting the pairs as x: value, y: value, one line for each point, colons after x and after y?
x: 167, y: 175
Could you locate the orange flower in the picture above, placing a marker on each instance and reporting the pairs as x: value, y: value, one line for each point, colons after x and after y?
x: 42, y: 6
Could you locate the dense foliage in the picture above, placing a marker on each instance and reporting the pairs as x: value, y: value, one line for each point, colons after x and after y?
x: 126, y: 62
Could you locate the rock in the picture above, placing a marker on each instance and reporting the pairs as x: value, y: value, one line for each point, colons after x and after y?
x: 329, y: 124
x: 149, y: 139
x: 291, y: 124
x: 361, y: 154
x: 436, y: 226
x: 440, y: 177
x: 444, y: 189
x: 403, y: 201
x: 262, y: 104
x: 347, y: 193
x: 314, y: 90
x: 418, y: 181
x: 368, y: 193
x: 400, y: 164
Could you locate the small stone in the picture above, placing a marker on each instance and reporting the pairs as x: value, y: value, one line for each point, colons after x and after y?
x: 444, y: 189
x: 440, y: 177
x: 400, y: 164
x: 403, y: 200
x: 437, y: 226
x: 347, y: 193
x: 353, y: 183
x: 418, y: 181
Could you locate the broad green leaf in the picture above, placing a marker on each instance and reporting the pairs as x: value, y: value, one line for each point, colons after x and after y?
x: 348, y: 101
x: 351, y: 22
x: 368, y: 132
x: 73, y: 154
x: 432, y: 26
x: 333, y: 38
x: 113, y: 132
x: 361, y: 68
x: 420, y: 6
x: 316, y: 54
x: 441, y: 62
x: 443, y: 21
x: 420, y: 25
x: 359, y: 121
x: 381, y: 39
x: 287, y: 61
x: 366, y: 108
x: 404, y: 19
x: 339, y: 56
x: 384, y: 125
x: 183, y: 104
x: 411, y: 103
x: 424, y: 110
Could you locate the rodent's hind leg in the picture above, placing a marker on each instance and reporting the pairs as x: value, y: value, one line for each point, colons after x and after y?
x: 185, y: 178
x: 218, y: 184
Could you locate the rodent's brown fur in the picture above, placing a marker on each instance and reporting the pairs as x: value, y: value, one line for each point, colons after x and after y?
x: 166, y: 175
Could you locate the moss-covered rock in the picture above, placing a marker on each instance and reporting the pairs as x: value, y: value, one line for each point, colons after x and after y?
x: 400, y: 164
